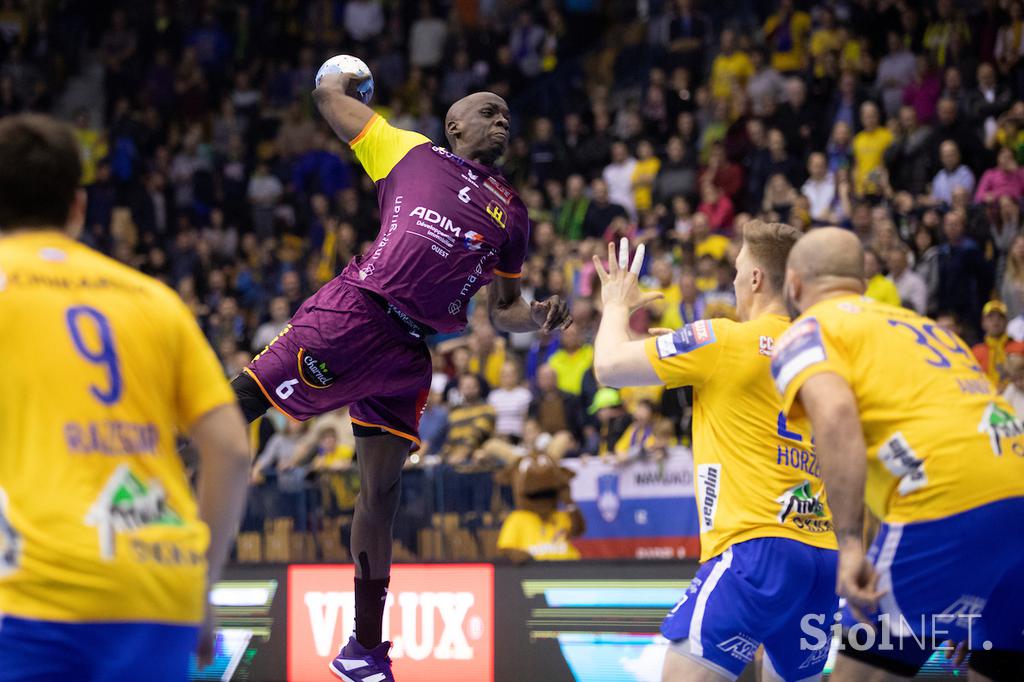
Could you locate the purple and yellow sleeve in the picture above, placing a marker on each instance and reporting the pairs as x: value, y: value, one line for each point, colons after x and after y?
x: 379, y: 146
x: 689, y: 355
x: 804, y: 351
x: 513, y: 254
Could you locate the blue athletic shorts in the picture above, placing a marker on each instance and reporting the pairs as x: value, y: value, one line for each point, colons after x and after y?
x: 958, y: 578
x: 757, y: 592
x: 45, y: 651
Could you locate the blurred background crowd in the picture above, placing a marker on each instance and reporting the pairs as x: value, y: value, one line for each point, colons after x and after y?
x: 669, y: 122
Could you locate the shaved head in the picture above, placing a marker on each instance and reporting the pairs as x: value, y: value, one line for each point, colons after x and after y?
x: 828, y: 252
x: 466, y: 113
x: 825, y: 262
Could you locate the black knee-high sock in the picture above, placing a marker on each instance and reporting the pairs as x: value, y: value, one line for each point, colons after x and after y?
x: 370, y: 596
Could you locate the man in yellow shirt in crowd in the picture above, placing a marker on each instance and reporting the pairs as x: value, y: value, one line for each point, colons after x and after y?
x: 991, y: 352
x: 879, y: 287
x: 730, y: 69
x: 786, y: 32
x: 572, y: 360
x: 869, y: 146
x: 905, y: 421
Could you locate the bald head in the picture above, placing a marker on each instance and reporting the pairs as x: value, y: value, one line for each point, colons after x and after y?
x: 477, y: 127
x: 825, y: 262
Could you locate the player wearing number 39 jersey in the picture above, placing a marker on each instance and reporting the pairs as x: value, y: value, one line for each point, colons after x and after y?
x: 766, y: 530
x: 105, y: 556
x: 905, y: 419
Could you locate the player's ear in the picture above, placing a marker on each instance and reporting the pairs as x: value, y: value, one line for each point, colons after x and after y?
x: 76, y: 214
x: 756, y: 279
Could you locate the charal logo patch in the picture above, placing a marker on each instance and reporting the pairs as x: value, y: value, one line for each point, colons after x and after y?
x: 804, y: 508
x: 686, y: 339
x: 314, y: 373
x: 128, y: 504
x: 999, y: 424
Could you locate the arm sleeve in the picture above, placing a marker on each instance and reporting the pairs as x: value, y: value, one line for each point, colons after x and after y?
x: 200, y: 384
x: 380, y: 146
x: 513, y: 254
x: 689, y: 355
x: 805, y: 350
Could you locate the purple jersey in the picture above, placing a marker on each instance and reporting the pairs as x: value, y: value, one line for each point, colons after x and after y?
x: 448, y: 226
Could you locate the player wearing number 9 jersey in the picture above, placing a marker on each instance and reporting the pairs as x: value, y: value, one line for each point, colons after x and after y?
x: 905, y: 419
x: 104, y: 556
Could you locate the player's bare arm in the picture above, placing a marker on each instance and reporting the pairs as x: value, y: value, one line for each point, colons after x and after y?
x: 510, y: 312
x: 346, y: 115
x: 221, y: 439
x: 618, y: 359
x: 839, y: 443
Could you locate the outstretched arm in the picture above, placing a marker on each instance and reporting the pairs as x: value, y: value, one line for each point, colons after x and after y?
x: 511, y: 313
x: 618, y: 360
x: 839, y: 443
x: 346, y: 115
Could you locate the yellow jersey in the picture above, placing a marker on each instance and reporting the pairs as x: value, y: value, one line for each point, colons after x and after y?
x: 543, y: 540
x: 940, y: 440
x: 868, y: 152
x: 755, y: 473
x: 102, y: 368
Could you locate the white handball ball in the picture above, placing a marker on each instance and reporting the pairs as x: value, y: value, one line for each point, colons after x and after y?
x: 346, y: 63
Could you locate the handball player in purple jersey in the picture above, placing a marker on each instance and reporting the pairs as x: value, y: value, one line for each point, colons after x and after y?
x: 450, y: 224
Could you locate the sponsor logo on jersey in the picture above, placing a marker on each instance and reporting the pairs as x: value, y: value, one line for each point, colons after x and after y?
x: 739, y: 647
x: 686, y: 339
x: 799, y: 348
x: 497, y: 214
x: 128, y: 504
x: 503, y: 193
x: 901, y: 461
x: 431, y: 218
x: 709, y: 477
x: 999, y: 425
x: 441, y: 151
x: 314, y: 373
x: 962, y: 611
x: 804, y: 508
x: 474, y: 241
x: 766, y: 345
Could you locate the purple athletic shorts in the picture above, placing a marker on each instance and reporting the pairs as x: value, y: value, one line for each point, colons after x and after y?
x: 344, y: 348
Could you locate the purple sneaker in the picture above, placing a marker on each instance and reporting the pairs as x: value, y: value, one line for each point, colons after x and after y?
x: 355, y: 663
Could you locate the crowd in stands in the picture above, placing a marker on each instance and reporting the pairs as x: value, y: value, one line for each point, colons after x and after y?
x: 669, y: 122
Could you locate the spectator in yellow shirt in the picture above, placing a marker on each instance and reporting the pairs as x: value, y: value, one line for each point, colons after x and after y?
x: 869, y: 146
x: 880, y: 287
x: 730, y: 69
x: 665, y: 311
x: 572, y: 360
x: 786, y: 32
x: 704, y: 242
x: 92, y: 144
x: 644, y: 173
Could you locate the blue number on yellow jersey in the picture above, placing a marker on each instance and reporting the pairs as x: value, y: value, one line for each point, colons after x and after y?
x: 756, y: 475
x: 102, y: 368
x: 940, y: 440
